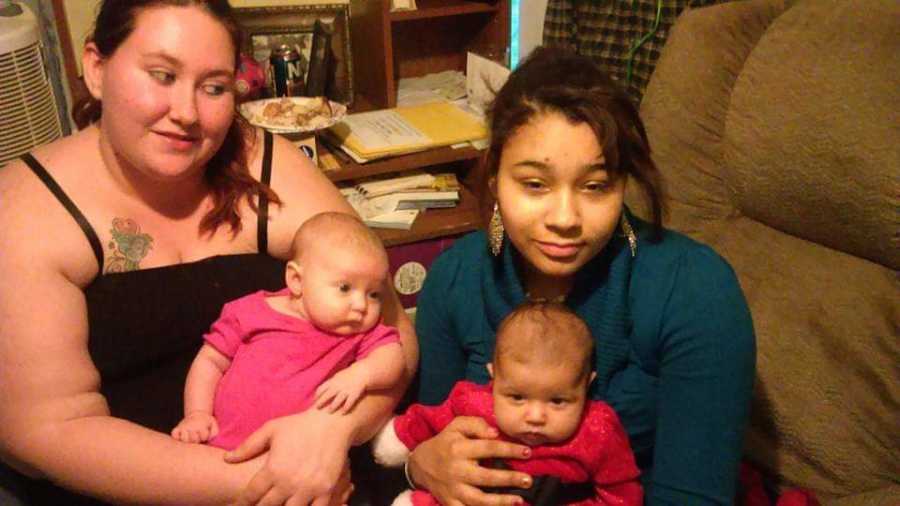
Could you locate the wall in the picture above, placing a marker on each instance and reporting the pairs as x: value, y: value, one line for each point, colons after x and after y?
x: 531, y: 25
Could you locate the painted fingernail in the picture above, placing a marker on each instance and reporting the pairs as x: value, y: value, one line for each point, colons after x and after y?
x: 526, y: 452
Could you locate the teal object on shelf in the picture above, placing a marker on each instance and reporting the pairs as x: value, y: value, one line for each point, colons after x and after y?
x: 514, y: 14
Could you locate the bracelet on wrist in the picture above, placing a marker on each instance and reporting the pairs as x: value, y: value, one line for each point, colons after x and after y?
x: 409, y: 481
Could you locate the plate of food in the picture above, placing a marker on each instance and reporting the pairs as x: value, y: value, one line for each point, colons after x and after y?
x: 293, y: 114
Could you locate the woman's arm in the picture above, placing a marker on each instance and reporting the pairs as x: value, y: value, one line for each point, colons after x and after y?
x: 706, y: 373
x: 54, y: 423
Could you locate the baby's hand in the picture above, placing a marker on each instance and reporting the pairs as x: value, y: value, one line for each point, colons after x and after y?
x: 196, y: 428
x: 341, y: 391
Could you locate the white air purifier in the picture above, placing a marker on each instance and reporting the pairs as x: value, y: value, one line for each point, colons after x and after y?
x: 28, y: 115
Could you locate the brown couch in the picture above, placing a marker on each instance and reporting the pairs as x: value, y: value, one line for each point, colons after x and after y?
x: 777, y: 128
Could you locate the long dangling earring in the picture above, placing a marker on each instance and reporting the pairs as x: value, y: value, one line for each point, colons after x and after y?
x: 629, y: 234
x: 495, y: 232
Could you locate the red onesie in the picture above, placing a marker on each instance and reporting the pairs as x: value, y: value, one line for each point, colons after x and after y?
x: 598, y: 452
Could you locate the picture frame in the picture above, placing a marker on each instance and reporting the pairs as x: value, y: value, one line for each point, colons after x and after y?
x: 266, y: 27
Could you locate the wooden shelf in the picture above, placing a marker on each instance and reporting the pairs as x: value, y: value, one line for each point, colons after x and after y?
x: 389, y: 46
x: 433, y: 222
x: 440, y: 8
x: 437, y: 222
x: 352, y: 170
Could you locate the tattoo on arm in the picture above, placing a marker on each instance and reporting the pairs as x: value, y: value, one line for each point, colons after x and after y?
x: 127, y: 247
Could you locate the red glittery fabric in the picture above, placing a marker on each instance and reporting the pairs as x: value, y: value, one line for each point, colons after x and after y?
x: 598, y: 452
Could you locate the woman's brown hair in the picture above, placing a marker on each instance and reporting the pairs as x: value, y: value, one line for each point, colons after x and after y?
x: 226, y: 172
x: 556, y: 80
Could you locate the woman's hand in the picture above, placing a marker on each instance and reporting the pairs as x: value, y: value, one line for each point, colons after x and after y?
x: 306, y: 459
x: 447, y: 465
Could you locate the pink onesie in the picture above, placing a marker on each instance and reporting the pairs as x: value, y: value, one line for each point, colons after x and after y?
x: 277, y: 362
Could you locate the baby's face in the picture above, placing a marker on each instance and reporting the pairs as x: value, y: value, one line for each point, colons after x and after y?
x: 342, y: 289
x: 537, y: 404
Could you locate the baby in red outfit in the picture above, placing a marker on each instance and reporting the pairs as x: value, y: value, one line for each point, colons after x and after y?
x: 540, y: 374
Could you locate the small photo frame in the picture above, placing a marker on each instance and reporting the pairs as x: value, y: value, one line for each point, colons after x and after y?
x: 265, y: 28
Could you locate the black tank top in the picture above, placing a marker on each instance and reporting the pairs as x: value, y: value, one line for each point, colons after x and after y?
x: 146, y: 326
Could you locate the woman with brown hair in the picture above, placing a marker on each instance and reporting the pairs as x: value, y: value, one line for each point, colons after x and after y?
x: 141, y: 225
x: 675, y: 346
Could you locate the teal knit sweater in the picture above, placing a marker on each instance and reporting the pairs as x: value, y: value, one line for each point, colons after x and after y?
x: 675, y: 349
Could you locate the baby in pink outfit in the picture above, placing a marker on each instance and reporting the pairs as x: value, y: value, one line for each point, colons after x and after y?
x: 317, y: 342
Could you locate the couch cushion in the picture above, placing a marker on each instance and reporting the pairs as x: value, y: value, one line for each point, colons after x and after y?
x: 821, y: 92
x: 775, y: 126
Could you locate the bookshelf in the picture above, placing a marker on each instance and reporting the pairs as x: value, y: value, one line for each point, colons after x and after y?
x: 351, y: 170
x: 441, y: 8
x: 432, y: 223
x: 388, y: 46
x: 436, y: 223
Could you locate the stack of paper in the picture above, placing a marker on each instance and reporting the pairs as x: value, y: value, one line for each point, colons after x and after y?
x: 447, y: 85
x: 418, y: 181
x: 396, y: 202
x: 387, y: 132
x: 379, y: 217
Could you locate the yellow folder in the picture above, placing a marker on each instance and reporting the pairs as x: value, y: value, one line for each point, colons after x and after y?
x: 400, y: 130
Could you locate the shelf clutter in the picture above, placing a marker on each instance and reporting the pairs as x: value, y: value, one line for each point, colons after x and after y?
x: 412, y: 57
x: 388, y: 132
x: 426, y: 123
x: 395, y: 202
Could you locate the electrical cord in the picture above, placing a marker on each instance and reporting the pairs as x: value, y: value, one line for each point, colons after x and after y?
x: 629, y: 64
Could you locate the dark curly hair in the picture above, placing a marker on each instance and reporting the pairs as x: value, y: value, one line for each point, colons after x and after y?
x: 557, y: 80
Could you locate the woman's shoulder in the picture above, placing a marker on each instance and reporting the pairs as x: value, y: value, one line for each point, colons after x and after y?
x: 29, y: 205
x: 68, y: 154
x: 675, y: 252
x: 678, y: 279
x: 682, y: 275
x: 303, y: 189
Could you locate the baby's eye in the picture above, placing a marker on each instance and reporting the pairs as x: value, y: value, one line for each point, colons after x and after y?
x: 558, y: 401
x: 162, y: 76
x: 344, y: 287
x: 517, y: 397
x: 375, y: 295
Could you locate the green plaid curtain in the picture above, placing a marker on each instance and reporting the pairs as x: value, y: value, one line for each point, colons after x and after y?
x: 607, y: 30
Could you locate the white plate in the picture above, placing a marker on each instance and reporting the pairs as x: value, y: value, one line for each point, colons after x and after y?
x: 253, y: 112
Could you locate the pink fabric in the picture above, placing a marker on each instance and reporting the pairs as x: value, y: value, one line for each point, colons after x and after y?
x: 277, y: 362
x: 598, y: 452
x: 752, y: 491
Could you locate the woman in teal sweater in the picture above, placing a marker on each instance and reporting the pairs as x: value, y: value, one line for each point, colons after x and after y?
x: 675, y: 346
